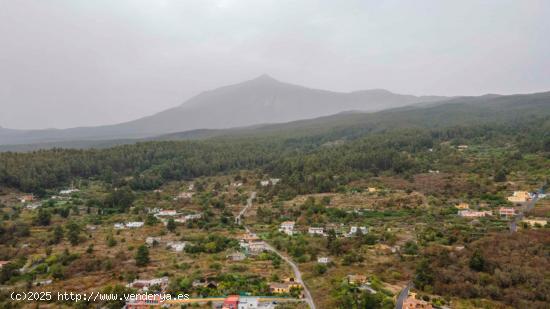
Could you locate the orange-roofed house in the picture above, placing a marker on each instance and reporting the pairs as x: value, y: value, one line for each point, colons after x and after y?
x: 231, y: 302
x: 26, y: 198
x: 507, y: 211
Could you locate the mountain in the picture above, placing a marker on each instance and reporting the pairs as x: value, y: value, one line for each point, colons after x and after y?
x: 258, y: 101
x: 456, y: 112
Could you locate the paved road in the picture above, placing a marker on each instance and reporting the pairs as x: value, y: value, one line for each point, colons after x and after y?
x: 297, y: 274
x: 248, y: 204
x: 295, y: 269
x: 403, y: 295
x: 526, y: 207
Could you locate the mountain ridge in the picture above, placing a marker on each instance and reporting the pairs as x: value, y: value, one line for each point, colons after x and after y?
x: 260, y: 100
x: 457, y: 112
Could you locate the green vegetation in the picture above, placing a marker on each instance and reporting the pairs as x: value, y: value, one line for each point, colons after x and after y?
x: 410, y: 157
x: 142, y: 256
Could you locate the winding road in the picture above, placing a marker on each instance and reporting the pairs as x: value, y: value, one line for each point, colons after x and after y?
x: 295, y: 269
x: 403, y: 295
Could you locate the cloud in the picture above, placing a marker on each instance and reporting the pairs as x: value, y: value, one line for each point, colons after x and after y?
x: 72, y: 62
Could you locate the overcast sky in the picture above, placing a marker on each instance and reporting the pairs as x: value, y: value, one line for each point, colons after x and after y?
x: 72, y: 63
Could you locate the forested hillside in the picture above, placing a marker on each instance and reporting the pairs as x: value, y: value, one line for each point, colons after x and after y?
x: 313, y: 156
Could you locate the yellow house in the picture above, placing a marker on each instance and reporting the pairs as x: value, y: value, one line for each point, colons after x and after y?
x: 414, y: 303
x: 372, y: 189
x: 357, y: 279
x: 519, y: 197
x: 463, y: 206
x: 534, y: 222
x: 283, y: 288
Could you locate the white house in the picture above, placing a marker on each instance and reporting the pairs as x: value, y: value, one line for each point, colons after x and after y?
x: 153, y: 210
x: 68, y: 191
x: 264, y: 183
x: 507, y: 211
x: 152, y: 240
x: 275, y: 181
x: 167, y: 213
x: 316, y: 231
x: 243, y: 244
x: 355, y: 229
x: 193, y: 217
x: 144, y: 285
x: 33, y: 206
x: 177, y: 246
x: 119, y: 226
x: 186, y: 218
x: 184, y: 195
x: 256, y: 247
x: 287, y: 227
x: 249, y: 302
x: 42, y: 282
x: 134, y: 224
x: 474, y: 214
x: 323, y: 260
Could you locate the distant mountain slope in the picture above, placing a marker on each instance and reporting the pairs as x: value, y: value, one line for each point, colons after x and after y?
x: 261, y: 100
x: 463, y: 111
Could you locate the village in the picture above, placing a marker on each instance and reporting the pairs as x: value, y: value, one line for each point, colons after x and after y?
x: 202, y: 237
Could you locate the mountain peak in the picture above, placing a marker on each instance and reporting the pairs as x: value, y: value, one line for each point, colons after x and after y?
x: 265, y: 77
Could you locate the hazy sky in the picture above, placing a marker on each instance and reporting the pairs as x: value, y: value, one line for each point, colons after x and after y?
x: 70, y: 63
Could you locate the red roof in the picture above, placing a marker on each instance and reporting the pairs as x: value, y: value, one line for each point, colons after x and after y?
x: 231, y: 302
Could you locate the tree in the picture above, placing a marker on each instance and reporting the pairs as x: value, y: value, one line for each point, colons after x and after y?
x: 320, y: 269
x: 119, y: 200
x: 7, y: 271
x: 57, y: 271
x: 477, y: 261
x: 333, y: 244
x: 410, y: 248
x: 57, y: 234
x: 142, y: 256
x: 171, y: 225
x: 111, y: 241
x: 500, y: 176
x: 370, y: 239
x: 73, y: 233
x: 424, y: 275
x: 64, y: 212
x: 43, y: 217
x: 151, y: 220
